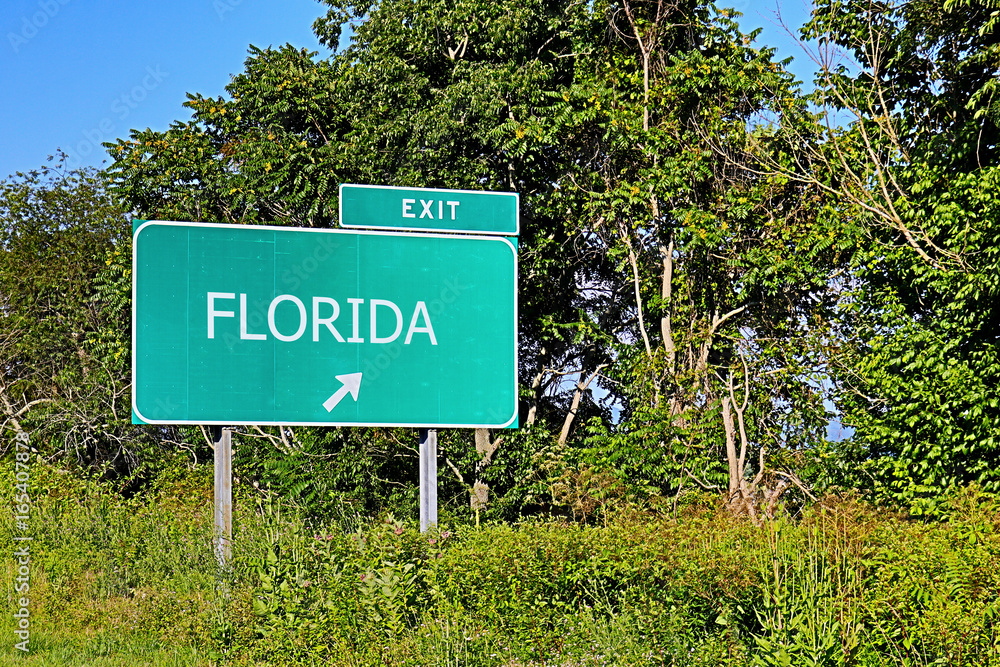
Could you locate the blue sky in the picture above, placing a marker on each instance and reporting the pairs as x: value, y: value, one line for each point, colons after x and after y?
x: 78, y: 72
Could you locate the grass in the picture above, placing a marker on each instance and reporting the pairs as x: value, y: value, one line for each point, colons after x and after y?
x: 124, y: 582
x: 101, y: 651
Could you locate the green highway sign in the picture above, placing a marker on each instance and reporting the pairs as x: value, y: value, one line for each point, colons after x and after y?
x: 237, y: 324
x: 429, y: 210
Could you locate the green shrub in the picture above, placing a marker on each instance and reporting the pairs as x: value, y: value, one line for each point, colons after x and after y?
x: 130, y: 581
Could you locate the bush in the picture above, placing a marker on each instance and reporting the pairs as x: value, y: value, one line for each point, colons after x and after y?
x: 848, y: 584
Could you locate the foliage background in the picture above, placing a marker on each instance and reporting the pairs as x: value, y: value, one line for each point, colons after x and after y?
x: 714, y: 264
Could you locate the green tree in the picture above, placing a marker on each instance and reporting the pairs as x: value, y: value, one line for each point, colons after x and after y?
x: 657, y: 264
x: 416, y: 100
x: 64, y: 283
x: 724, y: 269
x: 914, y: 162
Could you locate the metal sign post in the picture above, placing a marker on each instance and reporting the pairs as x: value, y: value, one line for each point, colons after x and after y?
x: 428, y: 478
x: 222, y: 438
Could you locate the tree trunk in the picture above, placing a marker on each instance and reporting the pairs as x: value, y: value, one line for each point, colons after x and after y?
x: 666, y: 327
x: 577, y: 395
x: 486, y: 448
x: 735, y: 474
x: 536, y: 387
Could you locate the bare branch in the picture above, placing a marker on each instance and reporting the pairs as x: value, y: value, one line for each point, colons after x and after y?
x: 577, y: 395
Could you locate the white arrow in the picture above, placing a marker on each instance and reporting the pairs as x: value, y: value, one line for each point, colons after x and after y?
x: 352, y: 383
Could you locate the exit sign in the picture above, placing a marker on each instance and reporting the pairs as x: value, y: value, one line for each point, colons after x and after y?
x: 429, y: 210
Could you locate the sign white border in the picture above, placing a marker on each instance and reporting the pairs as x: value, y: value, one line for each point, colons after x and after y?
x: 402, y: 228
x: 229, y: 422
